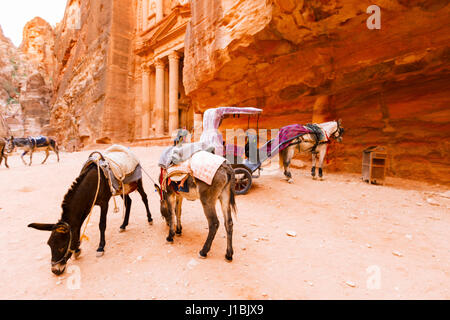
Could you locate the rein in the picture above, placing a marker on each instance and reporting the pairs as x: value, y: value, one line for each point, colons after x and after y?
x: 83, y: 236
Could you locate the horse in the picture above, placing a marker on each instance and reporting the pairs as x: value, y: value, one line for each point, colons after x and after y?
x: 3, y: 153
x: 89, y: 189
x: 32, y: 144
x: 311, y: 143
x: 222, y: 188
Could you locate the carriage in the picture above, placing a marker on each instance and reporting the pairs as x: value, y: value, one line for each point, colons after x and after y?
x: 245, y: 160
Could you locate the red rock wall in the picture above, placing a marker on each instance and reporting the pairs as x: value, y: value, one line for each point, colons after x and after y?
x: 92, y: 87
x: 304, y: 61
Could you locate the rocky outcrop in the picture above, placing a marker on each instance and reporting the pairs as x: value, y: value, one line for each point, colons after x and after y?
x: 304, y: 61
x: 38, y: 46
x: 24, y: 93
x: 92, y: 89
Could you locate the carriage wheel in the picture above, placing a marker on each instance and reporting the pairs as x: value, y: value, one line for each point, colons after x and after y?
x: 243, y: 180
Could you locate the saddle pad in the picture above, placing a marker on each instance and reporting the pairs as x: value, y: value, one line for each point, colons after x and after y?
x: 204, y: 165
x: 121, y: 161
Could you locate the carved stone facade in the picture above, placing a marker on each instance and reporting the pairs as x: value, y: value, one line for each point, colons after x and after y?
x: 161, y: 104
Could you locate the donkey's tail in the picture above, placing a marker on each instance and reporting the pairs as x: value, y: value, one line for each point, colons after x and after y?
x: 232, y: 180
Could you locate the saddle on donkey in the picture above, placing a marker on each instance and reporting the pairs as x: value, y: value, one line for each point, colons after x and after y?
x: 192, y: 159
x: 120, y: 167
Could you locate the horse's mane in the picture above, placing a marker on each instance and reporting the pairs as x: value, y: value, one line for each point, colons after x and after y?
x: 72, y: 190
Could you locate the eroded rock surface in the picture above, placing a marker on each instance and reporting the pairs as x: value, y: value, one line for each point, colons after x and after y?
x: 304, y: 61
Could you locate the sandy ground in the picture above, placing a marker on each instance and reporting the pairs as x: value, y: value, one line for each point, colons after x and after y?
x: 352, y: 241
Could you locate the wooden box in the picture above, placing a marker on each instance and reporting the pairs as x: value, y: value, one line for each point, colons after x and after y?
x: 374, y: 165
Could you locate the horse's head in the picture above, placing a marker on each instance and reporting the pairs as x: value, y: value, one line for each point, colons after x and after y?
x: 164, y: 203
x: 339, y: 131
x: 9, y: 147
x: 60, y: 241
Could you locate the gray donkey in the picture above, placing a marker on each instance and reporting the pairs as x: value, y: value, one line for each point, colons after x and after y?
x: 222, y: 188
x: 3, y: 153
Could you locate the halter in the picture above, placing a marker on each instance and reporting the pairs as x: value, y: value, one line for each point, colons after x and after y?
x: 68, y: 251
x: 338, y: 129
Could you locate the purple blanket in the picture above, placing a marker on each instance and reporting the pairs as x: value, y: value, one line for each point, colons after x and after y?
x: 285, y: 135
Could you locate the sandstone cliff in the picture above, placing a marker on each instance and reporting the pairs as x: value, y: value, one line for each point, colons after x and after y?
x: 91, y: 82
x: 24, y: 93
x: 304, y: 61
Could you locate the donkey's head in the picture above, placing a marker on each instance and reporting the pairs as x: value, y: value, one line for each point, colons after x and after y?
x: 164, y: 203
x: 60, y: 241
x: 9, y: 147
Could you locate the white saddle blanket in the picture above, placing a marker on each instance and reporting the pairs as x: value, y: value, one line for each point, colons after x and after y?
x: 202, y: 165
x: 121, y: 161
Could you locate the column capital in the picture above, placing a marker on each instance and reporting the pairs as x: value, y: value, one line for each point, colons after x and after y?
x: 159, y: 63
x: 146, y: 67
x: 174, y: 55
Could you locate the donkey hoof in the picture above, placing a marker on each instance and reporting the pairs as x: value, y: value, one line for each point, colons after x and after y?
x: 100, y: 254
x: 122, y: 229
x: 290, y: 181
x: 169, y: 239
x: 150, y: 222
x: 228, y: 258
x: 77, y: 254
x: 201, y: 255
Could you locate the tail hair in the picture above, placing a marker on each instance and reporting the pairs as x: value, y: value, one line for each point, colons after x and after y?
x: 232, y: 191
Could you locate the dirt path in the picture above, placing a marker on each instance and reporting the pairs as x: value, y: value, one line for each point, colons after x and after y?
x: 353, y: 241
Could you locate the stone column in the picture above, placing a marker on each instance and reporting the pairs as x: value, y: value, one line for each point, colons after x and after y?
x: 145, y: 112
x: 159, y: 10
x: 174, y: 78
x: 159, y: 98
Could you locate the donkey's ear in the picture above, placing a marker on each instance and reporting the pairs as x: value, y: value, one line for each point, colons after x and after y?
x: 158, y: 188
x: 42, y: 226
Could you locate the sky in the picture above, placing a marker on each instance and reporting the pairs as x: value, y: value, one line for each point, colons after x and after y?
x: 14, y: 14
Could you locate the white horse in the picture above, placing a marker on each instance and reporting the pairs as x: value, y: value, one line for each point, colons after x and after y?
x: 310, y: 143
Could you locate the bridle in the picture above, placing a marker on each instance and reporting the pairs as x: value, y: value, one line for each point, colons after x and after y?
x: 338, y: 129
x: 68, y: 251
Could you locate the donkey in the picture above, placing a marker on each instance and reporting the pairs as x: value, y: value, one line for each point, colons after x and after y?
x: 3, y: 153
x: 32, y: 144
x: 222, y: 188
x: 65, y: 234
x: 310, y: 143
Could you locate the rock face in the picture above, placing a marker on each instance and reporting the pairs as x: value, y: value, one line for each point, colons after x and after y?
x: 38, y: 46
x: 24, y: 93
x: 92, y: 89
x: 304, y: 61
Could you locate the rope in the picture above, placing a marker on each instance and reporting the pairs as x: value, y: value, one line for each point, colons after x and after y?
x: 83, y: 235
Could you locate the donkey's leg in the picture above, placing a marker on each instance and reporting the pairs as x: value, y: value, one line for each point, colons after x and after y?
x: 31, y: 157
x: 127, y: 201
x: 140, y: 189
x: 102, y: 227
x: 228, y: 219
x: 313, y: 169
x: 322, y: 153
x: 178, y: 214
x: 23, y: 154
x: 47, y: 153
x: 213, y: 224
x: 54, y: 148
